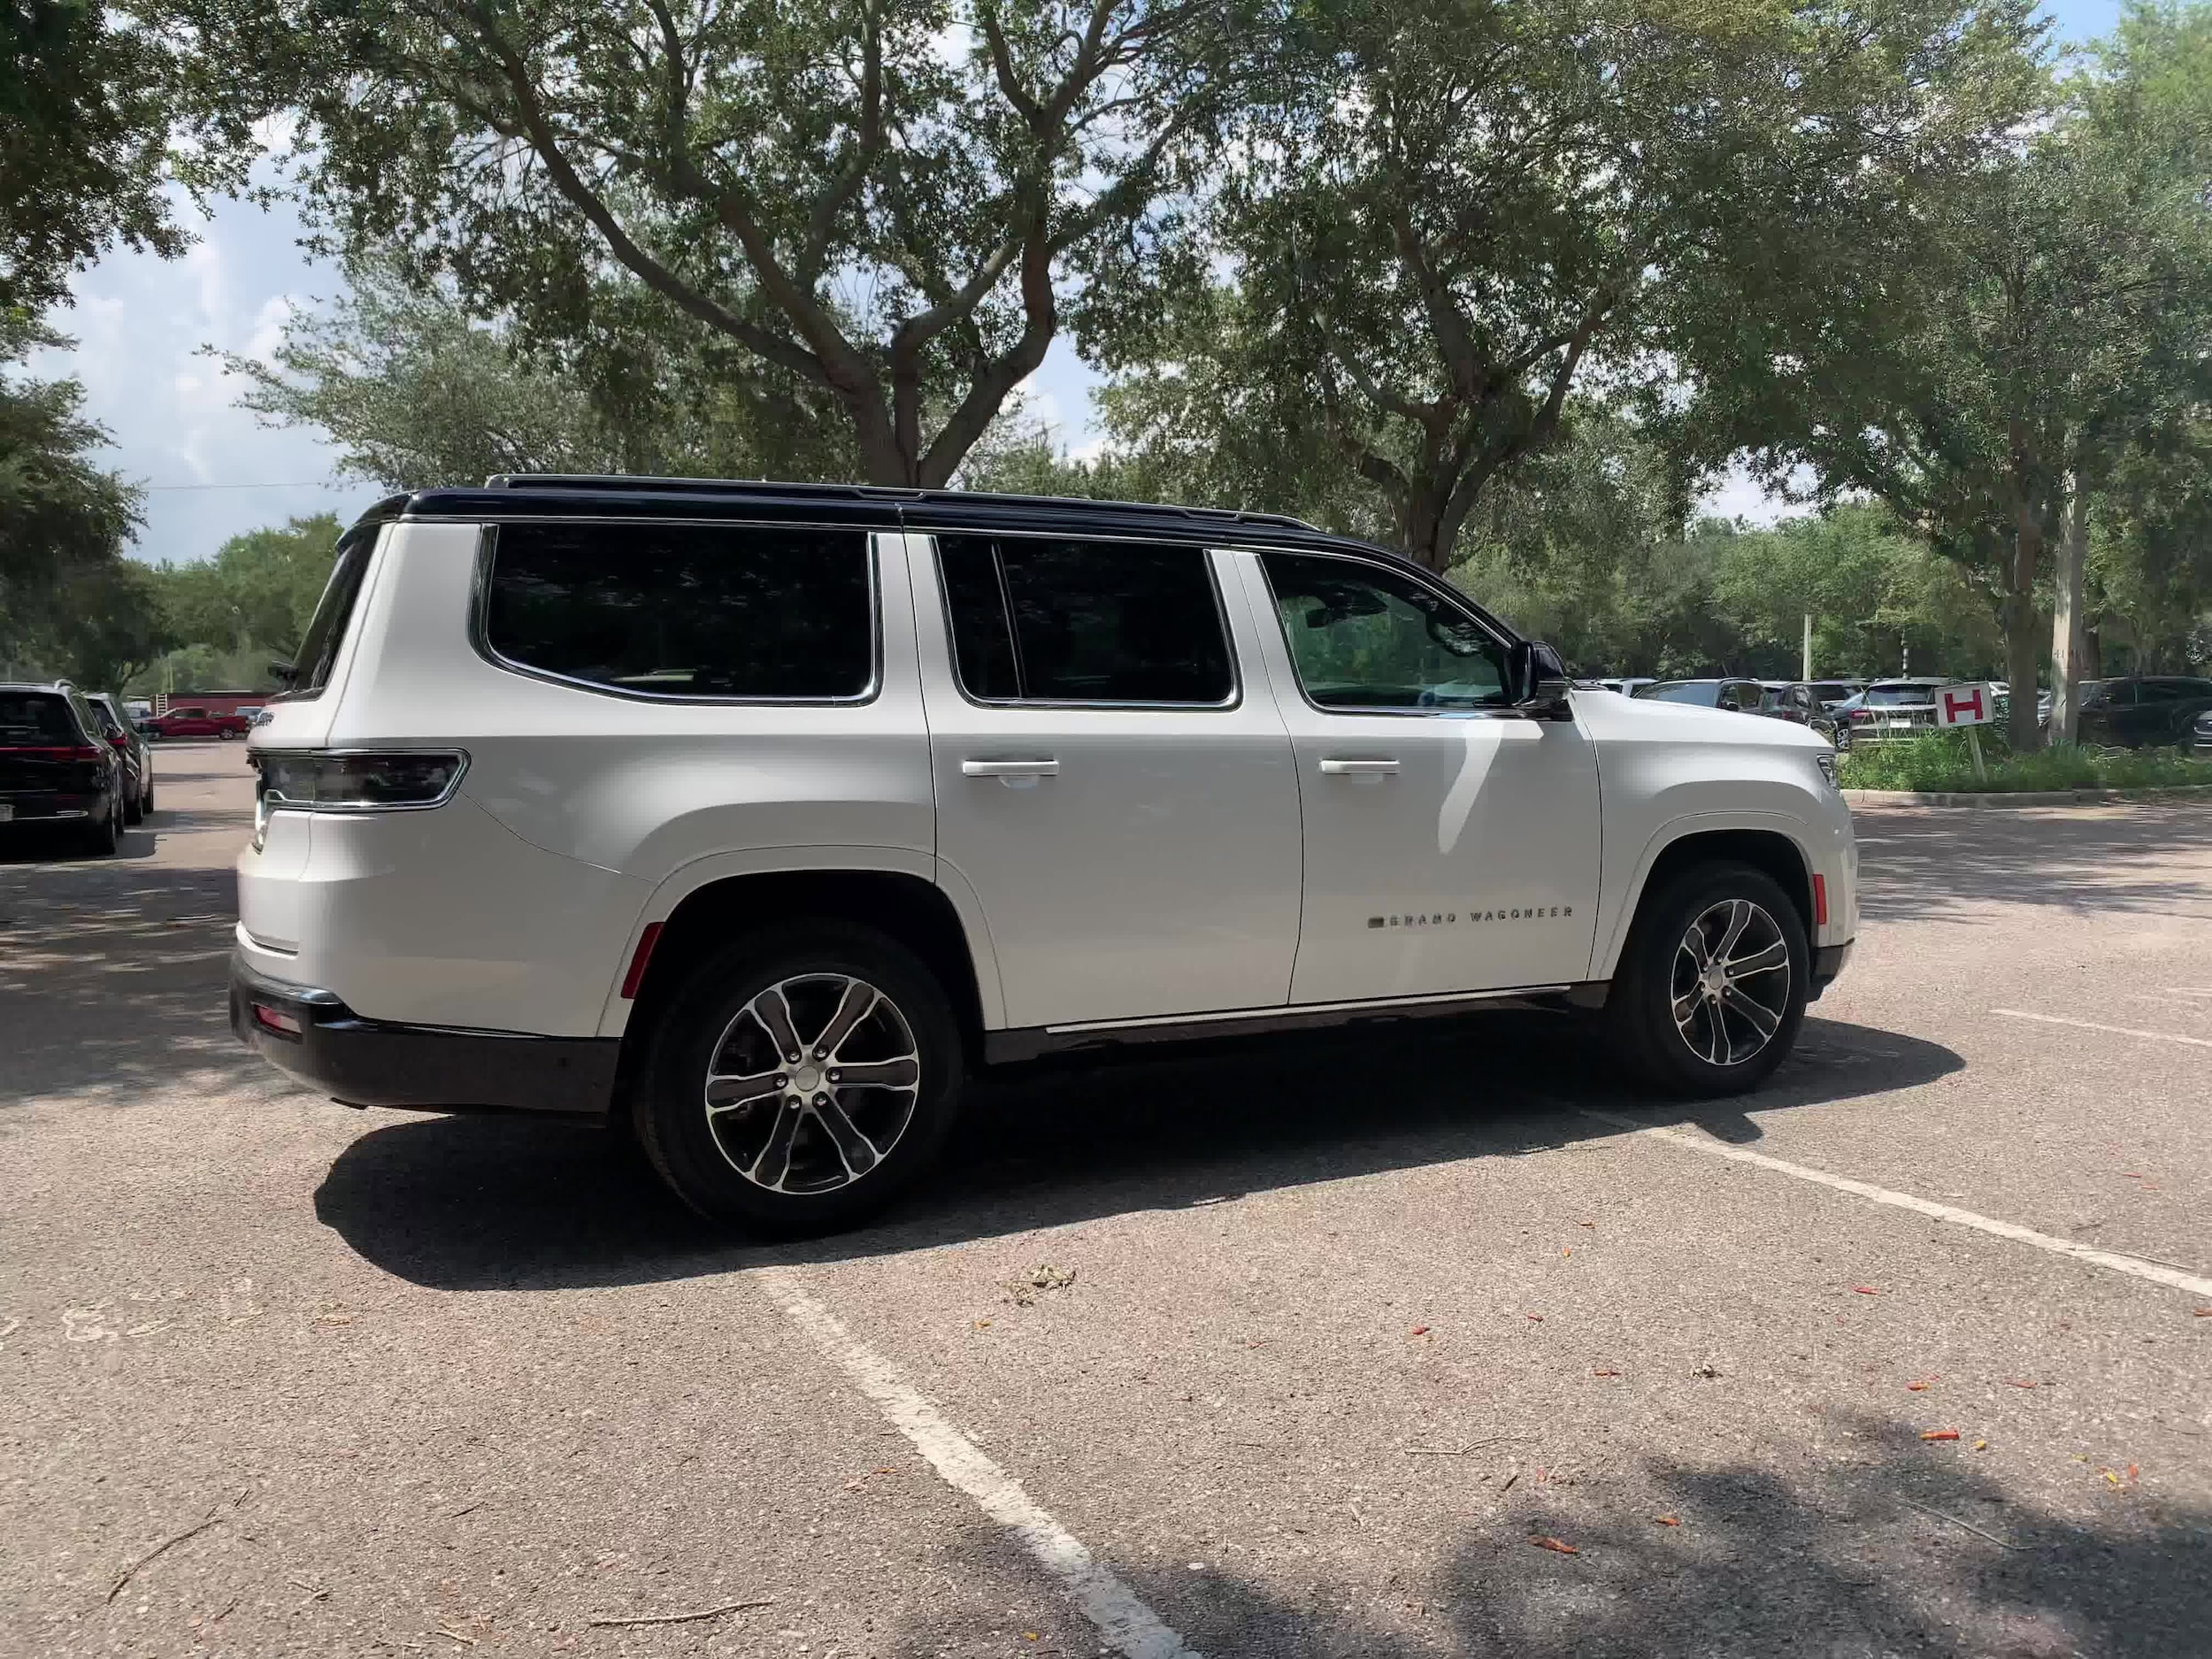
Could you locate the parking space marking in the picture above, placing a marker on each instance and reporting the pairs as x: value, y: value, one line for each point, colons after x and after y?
x: 2172, y: 1277
x: 2117, y: 1031
x: 1126, y: 1624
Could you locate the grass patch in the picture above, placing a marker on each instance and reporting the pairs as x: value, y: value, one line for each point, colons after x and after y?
x: 1940, y: 764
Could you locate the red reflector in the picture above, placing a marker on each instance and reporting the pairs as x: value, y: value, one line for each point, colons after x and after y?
x: 647, y: 940
x: 275, y: 1020
x: 1820, y: 901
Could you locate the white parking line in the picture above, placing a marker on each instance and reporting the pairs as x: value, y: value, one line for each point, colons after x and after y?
x: 1127, y: 1625
x: 2172, y: 1277
x: 2091, y: 1024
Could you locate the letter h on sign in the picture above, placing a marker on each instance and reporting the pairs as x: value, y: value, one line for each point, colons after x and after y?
x: 1955, y: 706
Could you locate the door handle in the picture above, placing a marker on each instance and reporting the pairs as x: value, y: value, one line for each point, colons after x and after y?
x: 1010, y: 768
x: 1335, y: 768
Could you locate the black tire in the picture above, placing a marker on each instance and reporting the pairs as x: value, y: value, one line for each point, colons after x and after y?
x: 712, y: 1018
x: 1640, y: 1007
x: 104, y: 833
x: 146, y: 802
x: 133, y: 807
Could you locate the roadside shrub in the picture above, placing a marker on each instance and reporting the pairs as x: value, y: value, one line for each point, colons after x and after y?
x: 1941, y: 764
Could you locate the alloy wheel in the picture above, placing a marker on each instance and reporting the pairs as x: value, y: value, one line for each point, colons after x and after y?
x: 1730, y: 983
x: 812, y: 1083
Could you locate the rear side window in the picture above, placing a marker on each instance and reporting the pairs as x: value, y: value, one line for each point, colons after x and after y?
x: 327, y: 628
x: 1043, y: 620
x: 36, y: 719
x: 687, y: 611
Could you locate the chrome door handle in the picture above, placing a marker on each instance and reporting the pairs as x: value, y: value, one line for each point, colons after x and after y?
x: 1334, y: 768
x: 1009, y: 769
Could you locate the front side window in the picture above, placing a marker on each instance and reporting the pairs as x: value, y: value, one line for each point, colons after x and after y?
x: 1363, y: 637
x: 1043, y: 620
x: 716, y: 611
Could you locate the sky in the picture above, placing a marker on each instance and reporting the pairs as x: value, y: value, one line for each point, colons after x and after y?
x: 211, y: 470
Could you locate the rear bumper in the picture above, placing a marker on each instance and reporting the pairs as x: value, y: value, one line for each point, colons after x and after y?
x: 47, y: 806
x: 312, y: 1035
x: 1828, y: 962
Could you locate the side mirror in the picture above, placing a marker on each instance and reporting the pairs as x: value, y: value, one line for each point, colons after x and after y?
x: 1540, y: 683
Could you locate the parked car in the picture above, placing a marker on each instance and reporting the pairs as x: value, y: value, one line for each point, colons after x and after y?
x: 1798, y: 703
x: 758, y: 814
x: 2200, y: 735
x: 196, y: 722
x: 1833, y: 693
x: 1889, y: 711
x: 2143, y: 711
x: 130, y: 743
x: 1630, y: 685
x: 1743, y: 696
x: 57, y: 769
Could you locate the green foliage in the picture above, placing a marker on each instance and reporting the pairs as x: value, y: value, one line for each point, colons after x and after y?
x: 891, y: 205
x: 416, y: 393
x: 1942, y: 764
x: 232, y: 614
x: 90, y: 106
x: 1446, y: 215
x: 70, y: 603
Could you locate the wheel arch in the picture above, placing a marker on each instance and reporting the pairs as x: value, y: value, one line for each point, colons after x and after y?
x: 902, y: 903
x: 1768, y: 847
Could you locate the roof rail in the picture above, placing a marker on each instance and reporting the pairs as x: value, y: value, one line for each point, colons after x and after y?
x: 866, y: 492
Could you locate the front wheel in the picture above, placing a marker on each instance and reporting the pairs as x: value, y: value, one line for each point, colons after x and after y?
x: 1712, y: 988
x: 104, y: 834
x: 799, y: 1080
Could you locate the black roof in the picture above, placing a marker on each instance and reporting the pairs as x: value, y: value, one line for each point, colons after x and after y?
x: 560, y: 495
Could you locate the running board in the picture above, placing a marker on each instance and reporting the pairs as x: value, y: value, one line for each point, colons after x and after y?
x: 1002, y: 1048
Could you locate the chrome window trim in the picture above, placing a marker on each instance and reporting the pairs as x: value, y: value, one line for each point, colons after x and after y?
x: 479, y: 607
x: 1442, y: 589
x: 1205, y: 550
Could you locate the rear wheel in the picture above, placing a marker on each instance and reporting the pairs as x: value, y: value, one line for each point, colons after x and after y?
x: 104, y: 834
x: 134, y: 807
x: 1712, y: 984
x: 799, y: 1080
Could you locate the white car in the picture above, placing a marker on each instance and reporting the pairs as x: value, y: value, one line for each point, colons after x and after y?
x: 754, y: 816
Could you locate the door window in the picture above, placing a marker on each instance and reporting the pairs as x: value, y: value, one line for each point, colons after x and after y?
x: 1365, y: 637
x: 736, y: 611
x: 1038, y: 619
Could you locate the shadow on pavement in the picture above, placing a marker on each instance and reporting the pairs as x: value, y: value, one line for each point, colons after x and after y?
x: 1934, y: 863
x: 487, y: 1203
x: 1845, y: 1559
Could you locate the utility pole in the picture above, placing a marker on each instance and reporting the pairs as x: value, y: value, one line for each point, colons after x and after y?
x: 1808, y: 674
x: 2066, y: 644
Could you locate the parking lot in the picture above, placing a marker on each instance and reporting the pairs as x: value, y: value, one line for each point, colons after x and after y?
x: 1415, y: 1342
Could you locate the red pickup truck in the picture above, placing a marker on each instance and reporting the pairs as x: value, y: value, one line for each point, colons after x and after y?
x: 197, y: 723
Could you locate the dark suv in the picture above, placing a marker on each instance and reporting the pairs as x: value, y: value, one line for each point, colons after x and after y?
x: 2143, y: 711
x: 129, y: 742
x: 56, y: 766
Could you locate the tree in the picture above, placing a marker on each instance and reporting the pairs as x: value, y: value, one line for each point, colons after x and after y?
x: 1995, y: 349
x: 1450, y: 213
x: 416, y: 392
x: 258, y: 591
x: 63, y: 524
x: 91, y: 108
x: 886, y: 203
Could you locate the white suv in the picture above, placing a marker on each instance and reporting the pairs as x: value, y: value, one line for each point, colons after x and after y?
x: 756, y: 814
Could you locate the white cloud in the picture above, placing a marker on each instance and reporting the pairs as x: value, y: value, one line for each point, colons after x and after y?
x: 210, y: 469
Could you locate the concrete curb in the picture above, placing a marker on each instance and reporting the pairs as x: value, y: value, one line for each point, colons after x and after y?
x: 2046, y: 797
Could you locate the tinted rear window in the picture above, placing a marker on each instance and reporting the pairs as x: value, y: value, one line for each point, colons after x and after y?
x: 1899, y: 696
x: 687, y: 611
x: 326, y: 629
x: 1682, y: 691
x: 1090, y: 621
x: 36, y: 718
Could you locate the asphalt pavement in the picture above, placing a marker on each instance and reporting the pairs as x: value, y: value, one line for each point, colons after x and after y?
x: 1438, y: 1342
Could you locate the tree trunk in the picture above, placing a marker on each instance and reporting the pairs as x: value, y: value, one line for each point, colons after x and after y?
x: 2022, y: 648
x: 2066, y: 619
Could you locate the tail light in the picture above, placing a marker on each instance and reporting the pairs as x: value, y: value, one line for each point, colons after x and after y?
x: 1862, y: 717
x: 118, y: 740
x: 359, y: 781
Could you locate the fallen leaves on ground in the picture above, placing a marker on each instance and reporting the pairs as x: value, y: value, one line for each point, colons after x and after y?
x: 1418, y: 1330
x: 1866, y: 1290
x: 1605, y: 1373
x: 1545, y: 1542
x: 1920, y: 1385
x: 1668, y: 1520
x: 1938, y: 1435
